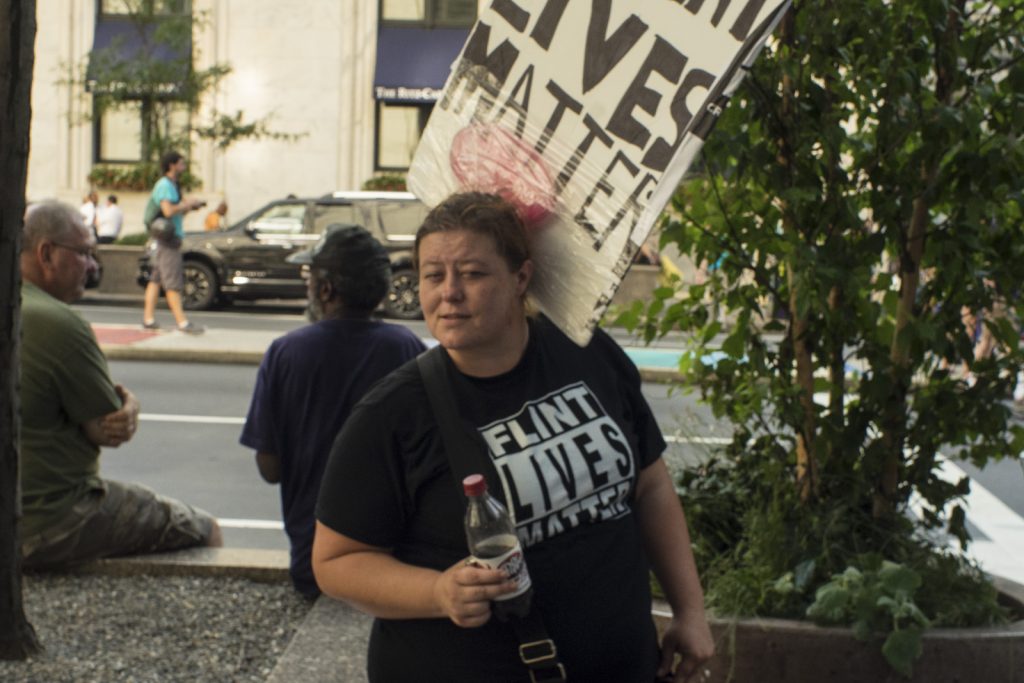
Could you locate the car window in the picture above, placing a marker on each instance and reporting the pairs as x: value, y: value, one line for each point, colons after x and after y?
x: 280, y: 219
x: 401, y: 220
x: 326, y: 214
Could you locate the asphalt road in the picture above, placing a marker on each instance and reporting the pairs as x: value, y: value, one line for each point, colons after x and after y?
x: 188, y: 445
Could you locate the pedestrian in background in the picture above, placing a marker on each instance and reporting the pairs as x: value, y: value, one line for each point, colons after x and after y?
x: 310, y: 378
x: 89, y: 210
x: 71, y: 408
x: 109, y: 221
x: 168, y: 267
x: 215, y: 219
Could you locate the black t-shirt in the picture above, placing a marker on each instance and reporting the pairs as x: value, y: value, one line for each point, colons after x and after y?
x: 568, y: 431
x: 307, y: 384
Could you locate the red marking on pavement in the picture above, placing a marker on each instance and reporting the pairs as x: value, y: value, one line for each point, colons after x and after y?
x: 121, y: 335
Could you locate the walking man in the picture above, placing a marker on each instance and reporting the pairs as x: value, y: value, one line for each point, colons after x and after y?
x: 168, y: 268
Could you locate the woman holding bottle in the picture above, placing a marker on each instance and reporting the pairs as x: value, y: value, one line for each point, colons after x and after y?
x: 572, y: 444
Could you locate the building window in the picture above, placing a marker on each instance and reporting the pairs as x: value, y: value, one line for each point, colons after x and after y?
x: 127, y: 7
x: 399, y: 127
x: 429, y: 12
x: 140, y: 109
x: 123, y: 133
x: 119, y: 134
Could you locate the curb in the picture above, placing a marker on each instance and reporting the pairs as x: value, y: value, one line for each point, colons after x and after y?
x: 125, y: 352
x: 128, y: 352
x: 266, y: 566
x: 136, y: 353
x: 660, y: 375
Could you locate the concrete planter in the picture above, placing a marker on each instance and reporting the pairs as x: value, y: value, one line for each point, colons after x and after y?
x: 120, y: 265
x: 784, y: 651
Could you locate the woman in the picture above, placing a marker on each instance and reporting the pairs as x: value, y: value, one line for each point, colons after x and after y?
x: 572, y: 442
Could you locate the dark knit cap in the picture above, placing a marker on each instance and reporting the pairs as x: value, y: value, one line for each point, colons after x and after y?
x: 345, y: 249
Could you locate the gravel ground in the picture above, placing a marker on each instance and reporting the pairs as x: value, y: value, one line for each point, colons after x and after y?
x: 142, y: 628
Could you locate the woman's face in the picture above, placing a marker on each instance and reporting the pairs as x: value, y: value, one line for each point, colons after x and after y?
x: 472, y: 301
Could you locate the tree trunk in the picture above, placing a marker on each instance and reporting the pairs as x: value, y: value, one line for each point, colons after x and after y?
x: 806, y: 467
x: 837, y: 369
x: 895, y: 415
x: 17, y: 637
x: 806, y: 464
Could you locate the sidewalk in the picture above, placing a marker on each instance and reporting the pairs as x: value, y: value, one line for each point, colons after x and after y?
x: 330, y: 645
x: 246, y: 347
x: 131, y: 342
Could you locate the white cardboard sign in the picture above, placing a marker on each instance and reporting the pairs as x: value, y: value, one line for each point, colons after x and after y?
x: 586, y: 114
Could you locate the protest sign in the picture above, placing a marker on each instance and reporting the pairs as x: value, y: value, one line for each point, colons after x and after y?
x: 586, y: 116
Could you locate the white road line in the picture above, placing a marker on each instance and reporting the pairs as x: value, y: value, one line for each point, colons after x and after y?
x: 230, y: 523
x: 202, y: 419
x: 1002, y: 553
x: 704, y: 440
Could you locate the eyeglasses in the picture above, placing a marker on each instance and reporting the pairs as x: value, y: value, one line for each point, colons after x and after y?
x: 88, y: 252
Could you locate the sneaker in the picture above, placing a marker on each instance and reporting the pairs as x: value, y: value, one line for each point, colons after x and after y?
x: 191, y: 328
x: 151, y: 325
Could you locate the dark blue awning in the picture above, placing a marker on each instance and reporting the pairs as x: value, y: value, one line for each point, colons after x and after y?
x: 139, y: 56
x: 413, y: 62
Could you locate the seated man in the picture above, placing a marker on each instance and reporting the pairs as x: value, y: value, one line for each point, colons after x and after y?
x: 70, y: 408
x: 310, y: 378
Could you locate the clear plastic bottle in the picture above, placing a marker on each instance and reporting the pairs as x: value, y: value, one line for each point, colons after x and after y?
x: 492, y: 540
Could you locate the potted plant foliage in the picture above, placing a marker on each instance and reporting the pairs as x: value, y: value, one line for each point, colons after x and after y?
x: 861, y: 201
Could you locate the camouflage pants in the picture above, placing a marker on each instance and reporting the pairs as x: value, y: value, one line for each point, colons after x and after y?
x: 121, y: 519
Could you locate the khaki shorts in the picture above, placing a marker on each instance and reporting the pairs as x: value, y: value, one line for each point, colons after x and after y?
x: 123, y: 519
x: 167, y: 270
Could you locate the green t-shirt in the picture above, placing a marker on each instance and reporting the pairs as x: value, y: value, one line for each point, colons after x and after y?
x: 64, y: 383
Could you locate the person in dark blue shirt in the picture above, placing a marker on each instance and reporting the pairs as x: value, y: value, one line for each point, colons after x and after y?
x: 310, y: 378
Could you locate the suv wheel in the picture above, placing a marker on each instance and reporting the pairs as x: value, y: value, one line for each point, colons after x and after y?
x: 403, y: 301
x: 200, y: 287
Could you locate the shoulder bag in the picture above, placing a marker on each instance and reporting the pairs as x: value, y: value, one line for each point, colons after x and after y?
x: 536, y: 649
x: 158, y: 225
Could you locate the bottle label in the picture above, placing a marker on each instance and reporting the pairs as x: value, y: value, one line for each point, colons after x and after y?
x: 513, y: 564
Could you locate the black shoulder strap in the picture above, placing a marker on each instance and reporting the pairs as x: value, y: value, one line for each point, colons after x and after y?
x: 465, y: 451
x: 466, y: 456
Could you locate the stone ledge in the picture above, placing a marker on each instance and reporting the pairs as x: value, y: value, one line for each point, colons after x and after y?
x: 258, y: 565
x: 330, y: 645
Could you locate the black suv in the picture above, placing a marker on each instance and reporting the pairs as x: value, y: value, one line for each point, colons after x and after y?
x: 248, y: 260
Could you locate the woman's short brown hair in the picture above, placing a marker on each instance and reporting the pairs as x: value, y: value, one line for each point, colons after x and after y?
x: 483, y: 214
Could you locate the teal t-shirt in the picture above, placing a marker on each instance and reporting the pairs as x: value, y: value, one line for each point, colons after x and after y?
x: 64, y: 383
x: 165, y: 189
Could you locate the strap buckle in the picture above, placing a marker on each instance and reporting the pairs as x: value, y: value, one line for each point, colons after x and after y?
x: 538, y: 651
x: 541, y: 656
x: 548, y: 673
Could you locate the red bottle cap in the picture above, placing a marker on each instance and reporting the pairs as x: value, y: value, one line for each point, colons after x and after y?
x: 474, y: 485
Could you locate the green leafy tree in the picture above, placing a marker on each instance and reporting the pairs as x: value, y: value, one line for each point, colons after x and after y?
x: 861, y: 197
x: 17, y: 637
x: 161, y: 82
